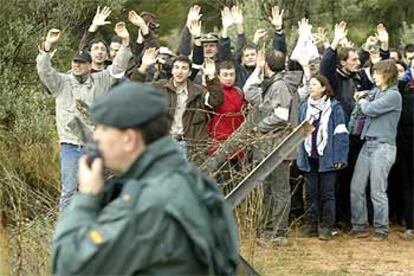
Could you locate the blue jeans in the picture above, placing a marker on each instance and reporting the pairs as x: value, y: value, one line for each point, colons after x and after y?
x: 69, y: 157
x: 374, y: 163
x: 320, y: 196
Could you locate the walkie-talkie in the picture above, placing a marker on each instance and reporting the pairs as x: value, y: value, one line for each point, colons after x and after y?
x: 91, y: 149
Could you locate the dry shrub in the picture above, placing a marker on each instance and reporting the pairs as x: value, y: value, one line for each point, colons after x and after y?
x: 250, y: 213
x: 28, y: 179
x: 30, y: 245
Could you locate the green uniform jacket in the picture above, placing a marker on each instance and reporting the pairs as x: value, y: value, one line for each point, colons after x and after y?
x: 160, y: 217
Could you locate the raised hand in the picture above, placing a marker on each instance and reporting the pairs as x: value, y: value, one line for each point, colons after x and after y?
x: 100, y: 18
x: 261, y: 59
x: 340, y: 31
x: 340, y: 34
x: 382, y: 36
x: 122, y: 32
x: 320, y: 36
x: 226, y: 18
x: 260, y: 33
x: 227, y: 21
x: 195, y: 28
x: 304, y: 27
x: 382, y: 33
x: 277, y: 17
x: 371, y: 40
x: 193, y: 15
x: 209, y: 68
x: 138, y: 21
x: 149, y: 58
x: 135, y: 19
x: 52, y: 36
x: 237, y: 15
x: 345, y: 43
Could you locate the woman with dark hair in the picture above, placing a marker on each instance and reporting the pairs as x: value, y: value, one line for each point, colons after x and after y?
x: 321, y: 155
x: 382, y: 106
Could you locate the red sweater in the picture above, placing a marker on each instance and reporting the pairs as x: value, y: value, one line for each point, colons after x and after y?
x: 228, y: 117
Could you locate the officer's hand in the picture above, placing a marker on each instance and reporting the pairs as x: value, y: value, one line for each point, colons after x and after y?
x: 90, y: 179
x: 338, y: 166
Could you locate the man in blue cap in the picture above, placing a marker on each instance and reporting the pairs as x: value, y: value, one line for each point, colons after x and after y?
x: 160, y: 215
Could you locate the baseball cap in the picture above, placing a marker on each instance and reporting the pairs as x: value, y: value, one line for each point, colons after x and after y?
x: 82, y: 56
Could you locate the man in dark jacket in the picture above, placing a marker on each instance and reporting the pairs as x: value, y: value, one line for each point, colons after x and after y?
x: 343, y: 67
x: 159, y: 216
x: 405, y: 153
x: 188, y: 103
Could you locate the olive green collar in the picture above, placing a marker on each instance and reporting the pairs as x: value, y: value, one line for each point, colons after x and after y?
x: 160, y: 154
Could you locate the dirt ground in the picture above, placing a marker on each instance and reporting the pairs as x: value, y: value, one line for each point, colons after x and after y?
x: 341, y: 256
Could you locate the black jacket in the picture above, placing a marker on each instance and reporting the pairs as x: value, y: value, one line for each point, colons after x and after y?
x: 345, y: 85
x: 405, y: 131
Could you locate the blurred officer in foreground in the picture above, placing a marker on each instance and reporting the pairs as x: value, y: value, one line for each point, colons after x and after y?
x: 159, y: 216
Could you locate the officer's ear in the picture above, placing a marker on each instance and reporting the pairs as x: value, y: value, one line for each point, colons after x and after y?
x: 133, y: 140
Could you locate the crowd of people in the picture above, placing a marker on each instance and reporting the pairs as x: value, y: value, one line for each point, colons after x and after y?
x: 359, y: 101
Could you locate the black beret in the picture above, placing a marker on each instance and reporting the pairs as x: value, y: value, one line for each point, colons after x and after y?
x: 129, y: 104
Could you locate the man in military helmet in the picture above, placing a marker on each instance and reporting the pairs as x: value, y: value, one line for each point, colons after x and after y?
x: 160, y: 215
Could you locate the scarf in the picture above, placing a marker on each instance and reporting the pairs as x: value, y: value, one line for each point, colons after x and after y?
x: 321, y: 106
